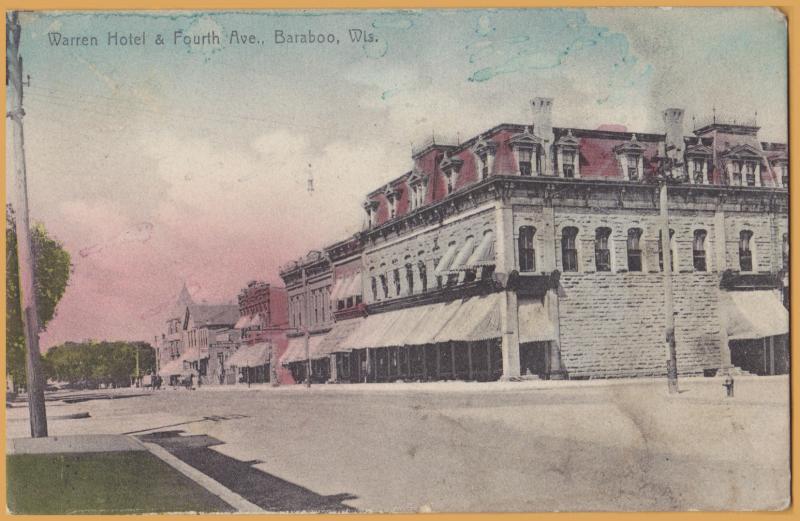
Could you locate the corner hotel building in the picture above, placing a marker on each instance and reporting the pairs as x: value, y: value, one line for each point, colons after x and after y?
x: 534, y: 250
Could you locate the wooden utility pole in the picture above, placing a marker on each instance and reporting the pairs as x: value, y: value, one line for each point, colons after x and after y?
x: 27, y: 286
x: 666, y: 261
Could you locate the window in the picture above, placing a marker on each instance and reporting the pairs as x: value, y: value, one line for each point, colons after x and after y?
x: 484, y: 165
x: 525, y: 161
x: 450, y: 181
x: 785, y: 251
x: 350, y: 302
x: 745, y: 253
x: 634, y: 249
x: 602, y: 255
x: 737, y: 173
x: 633, y: 167
x: 527, y: 253
x: 423, y: 275
x: 661, y: 251
x: 384, y: 286
x: 568, y: 160
x: 699, y: 250
x: 410, y: 278
x: 750, y: 173
x: 374, y: 285
x: 784, y: 175
x: 698, y: 171
x: 438, y: 276
x: 569, y: 250
x: 396, y: 277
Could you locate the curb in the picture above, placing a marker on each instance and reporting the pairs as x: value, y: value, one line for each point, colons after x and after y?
x: 215, y: 487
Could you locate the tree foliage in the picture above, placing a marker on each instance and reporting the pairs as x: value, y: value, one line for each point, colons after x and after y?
x: 52, y: 273
x: 94, y: 363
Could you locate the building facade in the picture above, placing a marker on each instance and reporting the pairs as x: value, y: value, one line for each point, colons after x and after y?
x: 534, y: 250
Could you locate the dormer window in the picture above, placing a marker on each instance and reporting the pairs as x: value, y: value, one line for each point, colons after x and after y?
x: 392, y: 196
x: 371, y: 208
x: 736, y: 174
x: 450, y: 167
x: 524, y: 162
x: 527, y: 151
x: 567, y: 155
x: 697, y: 173
x: 485, y: 151
x: 750, y: 173
x: 633, y: 167
x: 417, y: 188
x: 630, y: 157
x: 568, y: 159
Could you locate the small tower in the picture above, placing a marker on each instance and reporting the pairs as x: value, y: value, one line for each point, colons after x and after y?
x: 673, y: 128
x: 542, y: 109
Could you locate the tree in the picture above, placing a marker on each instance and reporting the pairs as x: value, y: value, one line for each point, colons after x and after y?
x: 95, y: 363
x: 52, y: 273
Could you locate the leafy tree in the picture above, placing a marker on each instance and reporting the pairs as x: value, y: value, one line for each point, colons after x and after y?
x: 52, y: 273
x: 95, y: 363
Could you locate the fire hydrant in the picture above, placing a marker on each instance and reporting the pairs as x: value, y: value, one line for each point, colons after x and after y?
x: 728, y: 383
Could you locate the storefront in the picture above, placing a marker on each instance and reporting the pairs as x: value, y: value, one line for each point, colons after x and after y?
x: 250, y: 364
x: 295, y: 359
x: 757, y: 330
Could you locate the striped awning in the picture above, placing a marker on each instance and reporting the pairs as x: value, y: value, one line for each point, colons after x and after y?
x: 447, y: 260
x: 463, y: 255
x: 483, y: 255
x: 477, y: 318
x: 334, y: 341
x: 346, y: 287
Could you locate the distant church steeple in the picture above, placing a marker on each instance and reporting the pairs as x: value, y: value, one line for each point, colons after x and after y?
x: 184, y: 298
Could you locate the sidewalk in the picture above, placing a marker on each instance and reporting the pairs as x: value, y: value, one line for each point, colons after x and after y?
x: 459, y: 386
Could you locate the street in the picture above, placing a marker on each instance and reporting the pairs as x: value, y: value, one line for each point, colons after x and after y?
x: 527, y: 446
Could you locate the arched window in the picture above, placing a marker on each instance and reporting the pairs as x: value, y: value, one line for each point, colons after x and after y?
x: 634, y: 249
x: 569, y: 249
x: 374, y: 285
x: 384, y: 285
x: 527, y: 252
x: 745, y: 252
x: 602, y: 254
x: 699, y: 250
x: 423, y: 275
x: 671, y: 252
x: 396, y: 278
x: 409, y: 276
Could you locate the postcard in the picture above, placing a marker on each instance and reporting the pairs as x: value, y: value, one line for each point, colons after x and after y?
x: 397, y: 261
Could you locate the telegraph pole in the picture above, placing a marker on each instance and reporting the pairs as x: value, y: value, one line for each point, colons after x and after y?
x: 666, y: 258
x: 27, y: 286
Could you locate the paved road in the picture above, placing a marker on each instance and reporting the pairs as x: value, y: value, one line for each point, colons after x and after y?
x: 621, y: 446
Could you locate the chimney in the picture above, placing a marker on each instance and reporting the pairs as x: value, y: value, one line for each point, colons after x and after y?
x: 673, y: 128
x: 543, y: 127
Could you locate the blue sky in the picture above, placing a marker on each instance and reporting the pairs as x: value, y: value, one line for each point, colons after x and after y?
x: 168, y: 163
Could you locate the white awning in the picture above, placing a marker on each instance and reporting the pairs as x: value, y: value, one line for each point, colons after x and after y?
x: 483, y: 255
x: 354, y: 287
x: 334, y: 341
x: 447, y: 259
x: 250, y: 356
x: 173, y: 368
x: 336, y: 292
x: 534, y: 323
x: 434, y: 320
x: 296, y: 350
x: 478, y: 318
x: 463, y: 255
x: 754, y: 314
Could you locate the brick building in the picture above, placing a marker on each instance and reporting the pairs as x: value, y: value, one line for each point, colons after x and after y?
x: 263, y: 323
x: 536, y: 250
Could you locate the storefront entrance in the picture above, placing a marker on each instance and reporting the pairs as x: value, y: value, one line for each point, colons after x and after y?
x: 762, y: 356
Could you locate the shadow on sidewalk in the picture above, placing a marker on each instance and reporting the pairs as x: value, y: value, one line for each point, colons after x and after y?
x: 265, y: 490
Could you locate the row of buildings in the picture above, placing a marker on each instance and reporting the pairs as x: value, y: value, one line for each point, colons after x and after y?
x: 535, y: 250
